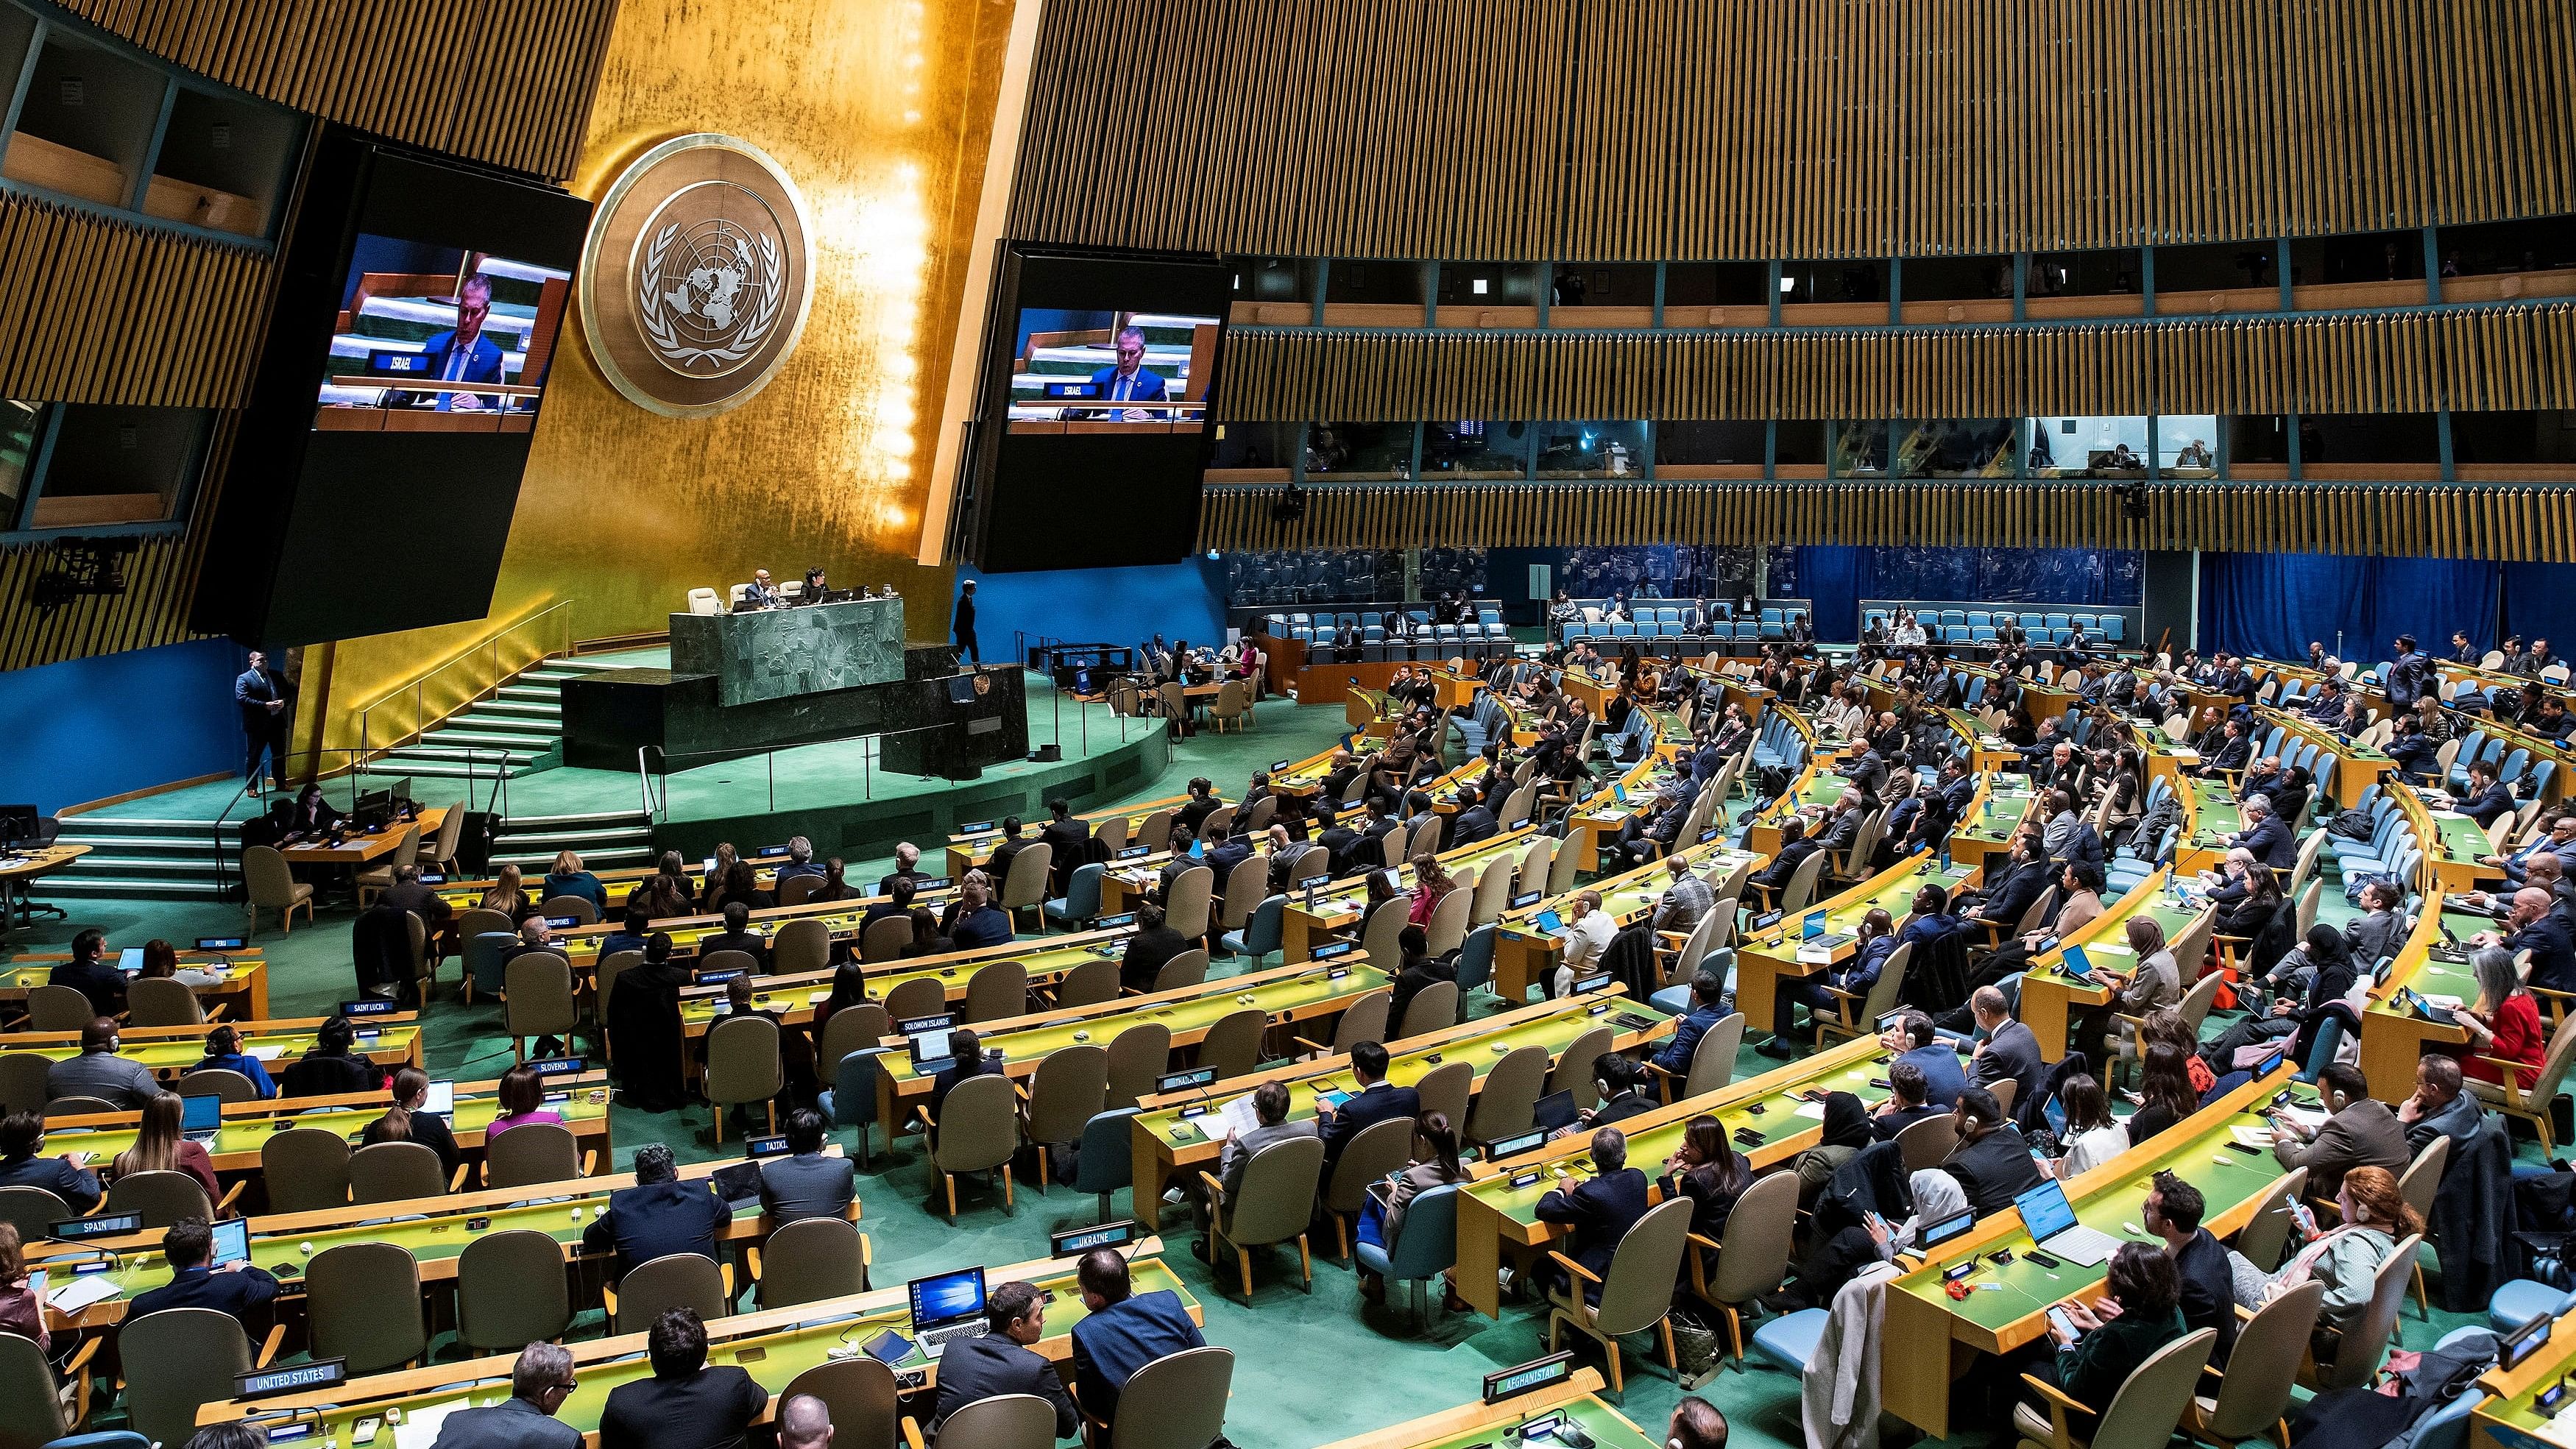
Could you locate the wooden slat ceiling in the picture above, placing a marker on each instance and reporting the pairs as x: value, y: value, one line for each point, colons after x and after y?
x: 1662, y: 130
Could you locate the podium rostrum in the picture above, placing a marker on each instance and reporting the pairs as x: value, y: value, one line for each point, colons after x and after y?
x: 782, y: 653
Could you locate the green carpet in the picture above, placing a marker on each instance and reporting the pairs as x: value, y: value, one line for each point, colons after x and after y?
x: 1310, y: 1368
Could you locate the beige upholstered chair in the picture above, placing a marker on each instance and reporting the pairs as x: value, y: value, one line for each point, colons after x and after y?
x: 1186, y: 909
x: 810, y: 1259
x: 885, y: 938
x: 998, y: 991
x: 1233, y: 1044
x: 1928, y: 1143
x: 1364, y: 1020
x: 59, y: 1008
x: 1636, y: 1294
x: 1712, y: 1063
x: 1069, y: 1088
x: 395, y: 1172
x: 537, y: 999
x: 33, y: 1212
x: 1274, y: 1204
x: 1574, y: 1066
x: 159, y: 1001
x: 362, y: 1303
x: 274, y: 888
x: 1088, y: 984
x: 1190, y: 968
x: 578, y: 908
x: 1175, y: 1402
x: 162, y: 1197
x: 1434, y: 1008
x: 534, y: 1152
x: 511, y: 1289
x: 406, y: 852
x: 921, y: 996
x: 1447, y: 1088
x: 861, y: 1398
x: 2267, y: 1232
x: 1137, y: 1055
x: 306, y: 1170
x: 2253, y: 1398
x: 743, y: 1067
x: 1025, y: 888
x: 2144, y: 1413
x: 803, y: 945
x: 1751, y: 1256
x: 978, y: 1130
x: 1511, y: 1089
x: 179, y: 1360
x: 1006, y: 1421
x: 2358, y: 1350
x: 674, y: 1280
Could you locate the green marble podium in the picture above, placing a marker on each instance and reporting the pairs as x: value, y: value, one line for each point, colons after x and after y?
x: 783, y: 653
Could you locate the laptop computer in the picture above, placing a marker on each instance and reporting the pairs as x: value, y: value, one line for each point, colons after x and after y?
x: 1555, y: 1110
x: 232, y: 1238
x: 1811, y: 926
x: 2075, y: 963
x: 200, y: 1118
x: 946, y: 1306
x: 1550, y: 923
x: 442, y: 1100
x: 2050, y: 1220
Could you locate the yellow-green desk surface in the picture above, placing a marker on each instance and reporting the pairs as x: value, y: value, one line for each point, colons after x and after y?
x: 1180, y: 1130
x: 434, y: 1230
x: 1773, y: 954
x: 2210, y: 814
x: 242, y: 979
x: 170, y: 1050
x: 1283, y: 993
x: 1478, y: 1426
x: 248, y: 1126
x: 774, y: 1346
x: 1498, y: 1212
x: 2393, y: 1036
x: 1342, y: 905
x: 2049, y: 995
x: 794, y: 997
x: 2511, y: 1417
x: 2006, y: 1305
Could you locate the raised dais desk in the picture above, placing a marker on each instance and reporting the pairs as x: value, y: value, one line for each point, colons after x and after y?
x: 780, y: 653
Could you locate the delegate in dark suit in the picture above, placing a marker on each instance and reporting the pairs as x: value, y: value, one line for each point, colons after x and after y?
x: 1993, y: 1170
x: 2013, y: 1053
x: 708, y: 1409
x: 1112, y: 1344
x: 1600, y: 1210
x: 236, y: 1292
x: 476, y: 361
x: 254, y: 689
x: 513, y: 1423
x: 806, y: 1185
x: 989, y: 1366
x: 1144, y: 385
x: 1383, y: 1102
x: 655, y: 1219
x: 103, y: 984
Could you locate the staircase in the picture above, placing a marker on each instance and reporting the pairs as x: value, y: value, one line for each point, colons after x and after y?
x: 139, y: 858
x: 521, y: 723
x: 603, y: 839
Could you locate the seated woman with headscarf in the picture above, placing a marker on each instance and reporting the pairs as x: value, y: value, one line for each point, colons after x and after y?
x: 1933, y: 1197
x: 644, y: 1029
x: 1846, y: 1133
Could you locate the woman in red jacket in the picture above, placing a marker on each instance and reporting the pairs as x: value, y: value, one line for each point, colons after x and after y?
x: 2504, y: 1026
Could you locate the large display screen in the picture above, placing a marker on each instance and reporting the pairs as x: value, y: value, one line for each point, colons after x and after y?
x: 1093, y: 434
x: 455, y: 339
x: 375, y: 473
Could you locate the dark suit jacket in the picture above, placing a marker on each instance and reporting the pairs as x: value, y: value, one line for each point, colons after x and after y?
x: 1785, y: 864
x: 1069, y: 840
x: 749, y: 943
x: 1147, y: 952
x: 656, y: 1219
x: 806, y: 1187
x: 1600, y: 1210
x: 1380, y: 1103
x: 77, y: 1186
x: 2553, y: 955
x: 1111, y: 1345
x: 236, y: 1292
x: 709, y: 1409
x: 2208, y: 1291
x: 1147, y: 386
x: 1993, y: 1170
x: 2271, y: 843
x: 2012, y: 1052
x: 1473, y: 824
x: 103, y: 984
x: 989, y: 1366
x: 510, y: 1424
x: 998, y: 869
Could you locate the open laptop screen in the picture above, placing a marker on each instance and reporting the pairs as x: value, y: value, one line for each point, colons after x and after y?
x: 2045, y: 1211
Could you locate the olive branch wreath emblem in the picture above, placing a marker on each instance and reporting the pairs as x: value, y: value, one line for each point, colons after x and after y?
x: 659, y: 330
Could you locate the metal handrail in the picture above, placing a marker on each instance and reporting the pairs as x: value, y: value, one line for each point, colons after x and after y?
x: 486, y: 651
x: 353, y: 768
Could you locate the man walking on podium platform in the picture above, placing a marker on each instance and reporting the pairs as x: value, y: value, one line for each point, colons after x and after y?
x: 261, y: 697
x: 963, y: 626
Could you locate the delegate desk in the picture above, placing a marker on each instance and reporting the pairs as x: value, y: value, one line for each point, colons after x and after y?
x: 240, y: 987
x: 2393, y: 1035
x: 970, y: 849
x: 2050, y: 998
x: 1305, y: 923
x: 1498, y: 1212
x: 774, y: 1346
x: 2511, y: 1416
x: 21, y: 869
x: 2168, y: 760
x: 618, y: 883
x: 247, y: 1126
x: 1480, y: 1426
x: 2210, y: 814
x: 2357, y: 767
x: 1817, y: 788
x: 1998, y: 1319
x: 795, y: 997
x: 843, y: 919
x: 1987, y: 830
x: 1781, y: 951
x: 351, y: 849
x: 389, y: 1041
x: 2455, y: 849
x: 1286, y: 996
x: 1604, y: 812
x: 434, y: 1230
x: 1525, y: 956
x: 1180, y: 1133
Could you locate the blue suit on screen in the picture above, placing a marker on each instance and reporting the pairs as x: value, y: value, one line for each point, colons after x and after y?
x: 482, y: 363
x: 1145, y: 386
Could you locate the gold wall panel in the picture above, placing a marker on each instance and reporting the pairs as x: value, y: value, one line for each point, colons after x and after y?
x: 503, y: 81
x: 2486, y: 358
x: 1666, y: 129
x: 877, y: 108
x: 2536, y: 524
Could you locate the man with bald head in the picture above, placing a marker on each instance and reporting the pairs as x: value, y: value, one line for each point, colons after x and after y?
x: 2537, y: 925
x: 804, y: 1422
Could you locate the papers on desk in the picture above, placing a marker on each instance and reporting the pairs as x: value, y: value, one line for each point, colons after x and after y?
x: 419, y: 1428
x: 265, y: 1053
x: 1815, y: 1110
x: 817, y: 998
x: 83, y: 1291
x: 2306, y: 1119
x: 2252, y: 1136
x: 1236, y: 1118
x: 2561, y: 1428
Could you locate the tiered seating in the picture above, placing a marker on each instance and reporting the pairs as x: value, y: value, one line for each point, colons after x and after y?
x: 1324, y: 633
x: 1979, y: 626
x: 1666, y: 622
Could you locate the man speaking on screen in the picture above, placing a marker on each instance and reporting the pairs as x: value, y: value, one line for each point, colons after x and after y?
x: 1129, y: 381
x: 464, y: 354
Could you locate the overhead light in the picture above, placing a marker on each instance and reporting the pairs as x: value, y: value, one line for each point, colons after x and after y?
x: 1788, y: 284
x: 1477, y: 286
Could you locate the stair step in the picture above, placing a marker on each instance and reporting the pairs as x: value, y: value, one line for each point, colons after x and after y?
x: 539, y: 735
x: 459, y: 744
x: 580, y: 664
x: 121, y: 843
x: 431, y: 769
x: 80, y: 827
x: 595, y: 859
x: 532, y: 693
x: 179, y: 866
x: 635, y: 818
x: 70, y: 885
x: 584, y: 841
x: 548, y: 710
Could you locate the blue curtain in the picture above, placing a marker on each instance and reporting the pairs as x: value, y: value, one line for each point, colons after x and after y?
x: 2540, y: 603
x: 2273, y: 605
x: 1838, y: 577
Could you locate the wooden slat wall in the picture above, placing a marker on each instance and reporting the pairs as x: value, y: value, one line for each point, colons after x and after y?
x: 503, y: 81
x: 161, y: 578
x: 1678, y: 129
x: 2471, y: 359
x: 100, y: 311
x: 2459, y: 521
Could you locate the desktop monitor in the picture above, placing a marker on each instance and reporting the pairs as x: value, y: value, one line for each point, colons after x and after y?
x: 946, y: 1298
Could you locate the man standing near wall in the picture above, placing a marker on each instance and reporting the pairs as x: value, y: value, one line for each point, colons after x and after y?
x: 261, y: 697
x: 963, y: 625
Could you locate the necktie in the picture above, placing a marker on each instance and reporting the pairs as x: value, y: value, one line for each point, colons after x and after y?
x: 456, y: 360
x: 1120, y: 394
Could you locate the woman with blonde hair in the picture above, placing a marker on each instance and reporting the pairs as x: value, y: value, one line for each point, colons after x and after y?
x: 571, y: 878
x: 159, y: 1146
x: 507, y: 895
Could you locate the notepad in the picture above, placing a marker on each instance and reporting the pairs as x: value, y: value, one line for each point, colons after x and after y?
x: 83, y: 1291
x: 2252, y: 1136
x: 419, y: 1428
x: 1810, y: 1109
x: 265, y: 1053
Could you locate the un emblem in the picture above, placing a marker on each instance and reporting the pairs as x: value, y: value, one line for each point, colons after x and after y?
x: 695, y: 280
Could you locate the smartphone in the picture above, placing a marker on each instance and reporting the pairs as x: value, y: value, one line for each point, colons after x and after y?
x: 2058, y: 1320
